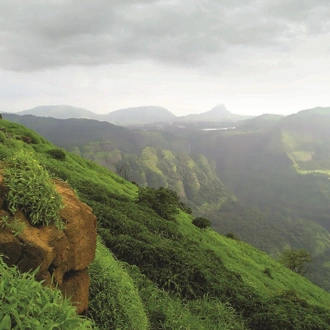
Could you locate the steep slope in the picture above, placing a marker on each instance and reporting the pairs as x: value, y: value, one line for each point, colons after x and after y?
x: 185, y: 277
x: 282, y: 170
x: 75, y: 132
x: 142, y: 155
x: 278, y: 205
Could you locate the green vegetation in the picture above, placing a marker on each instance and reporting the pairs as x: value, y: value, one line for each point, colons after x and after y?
x: 31, y: 190
x: 201, y: 222
x: 295, y: 259
x: 163, y: 201
x: 169, y: 274
x: 26, y: 304
x: 57, y: 154
x: 114, y: 300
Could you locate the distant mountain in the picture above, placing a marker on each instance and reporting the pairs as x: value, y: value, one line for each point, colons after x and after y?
x: 140, y: 115
x: 134, y: 115
x: 122, y: 117
x: 216, y: 114
x: 72, y: 132
x: 60, y: 112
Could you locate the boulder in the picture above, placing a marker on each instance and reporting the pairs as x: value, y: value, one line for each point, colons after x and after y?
x: 62, y: 256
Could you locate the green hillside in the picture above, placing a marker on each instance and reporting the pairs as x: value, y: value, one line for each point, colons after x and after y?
x: 152, y: 158
x: 280, y: 175
x: 165, y: 273
x: 275, y: 166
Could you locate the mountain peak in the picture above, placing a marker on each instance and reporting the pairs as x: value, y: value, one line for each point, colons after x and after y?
x: 220, y: 110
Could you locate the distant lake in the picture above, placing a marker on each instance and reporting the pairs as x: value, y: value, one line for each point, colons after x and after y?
x: 217, y: 129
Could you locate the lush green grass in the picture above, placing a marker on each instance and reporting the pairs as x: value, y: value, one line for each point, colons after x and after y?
x: 31, y: 190
x: 250, y: 263
x: 26, y: 304
x: 114, y: 300
x: 169, y: 274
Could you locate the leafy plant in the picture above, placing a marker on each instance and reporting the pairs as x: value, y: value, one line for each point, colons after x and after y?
x: 26, y: 304
x: 32, y: 191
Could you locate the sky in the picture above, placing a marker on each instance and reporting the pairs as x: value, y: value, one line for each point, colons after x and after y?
x: 253, y: 56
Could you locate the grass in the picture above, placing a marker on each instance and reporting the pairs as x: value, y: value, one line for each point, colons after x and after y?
x: 165, y: 274
x: 26, y: 304
x: 250, y: 263
x: 114, y: 300
x: 31, y: 190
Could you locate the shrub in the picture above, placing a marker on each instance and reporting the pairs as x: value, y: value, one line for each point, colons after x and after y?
x: 268, y: 273
x: 32, y: 191
x: 57, y: 154
x: 2, y: 136
x: 232, y: 236
x: 201, y: 222
x: 26, y: 304
x: 163, y: 201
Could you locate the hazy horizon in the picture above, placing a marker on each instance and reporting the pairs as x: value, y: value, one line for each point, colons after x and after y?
x: 154, y: 105
x: 186, y: 56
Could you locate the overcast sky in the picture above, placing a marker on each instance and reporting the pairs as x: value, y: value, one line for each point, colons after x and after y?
x: 254, y: 56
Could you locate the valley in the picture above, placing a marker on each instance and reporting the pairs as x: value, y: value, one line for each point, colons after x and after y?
x: 235, y: 178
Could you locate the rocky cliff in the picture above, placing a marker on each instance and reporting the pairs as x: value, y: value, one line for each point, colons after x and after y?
x: 62, y: 256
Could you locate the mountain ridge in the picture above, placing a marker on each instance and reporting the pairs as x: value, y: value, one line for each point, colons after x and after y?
x: 133, y: 115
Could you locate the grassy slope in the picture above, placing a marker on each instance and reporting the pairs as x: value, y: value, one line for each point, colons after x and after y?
x: 181, y: 272
x: 282, y: 170
x: 250, y: 262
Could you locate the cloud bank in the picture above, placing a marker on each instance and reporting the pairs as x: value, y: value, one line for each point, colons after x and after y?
x: 37, y: 35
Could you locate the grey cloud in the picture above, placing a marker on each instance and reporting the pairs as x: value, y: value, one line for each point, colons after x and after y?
x: 37, y: 35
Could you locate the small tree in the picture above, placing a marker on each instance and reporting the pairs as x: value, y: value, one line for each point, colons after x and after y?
x: 201, y: 222
x: 123, y: 170
x: 295, y: 259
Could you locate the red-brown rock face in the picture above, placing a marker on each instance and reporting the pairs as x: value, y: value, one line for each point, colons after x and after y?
x: 63, y: 255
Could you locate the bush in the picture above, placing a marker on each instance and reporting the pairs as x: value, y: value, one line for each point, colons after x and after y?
x: 201, y: 222
x: 32, y: 191
x: 2, y: 136
x: 232, y: 236
x: 26, y: 304
x: 268, y: 273
x: 57, y: 154
x: 163, y: 201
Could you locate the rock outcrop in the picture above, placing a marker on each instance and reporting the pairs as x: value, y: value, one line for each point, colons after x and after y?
x: 63, y: 256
